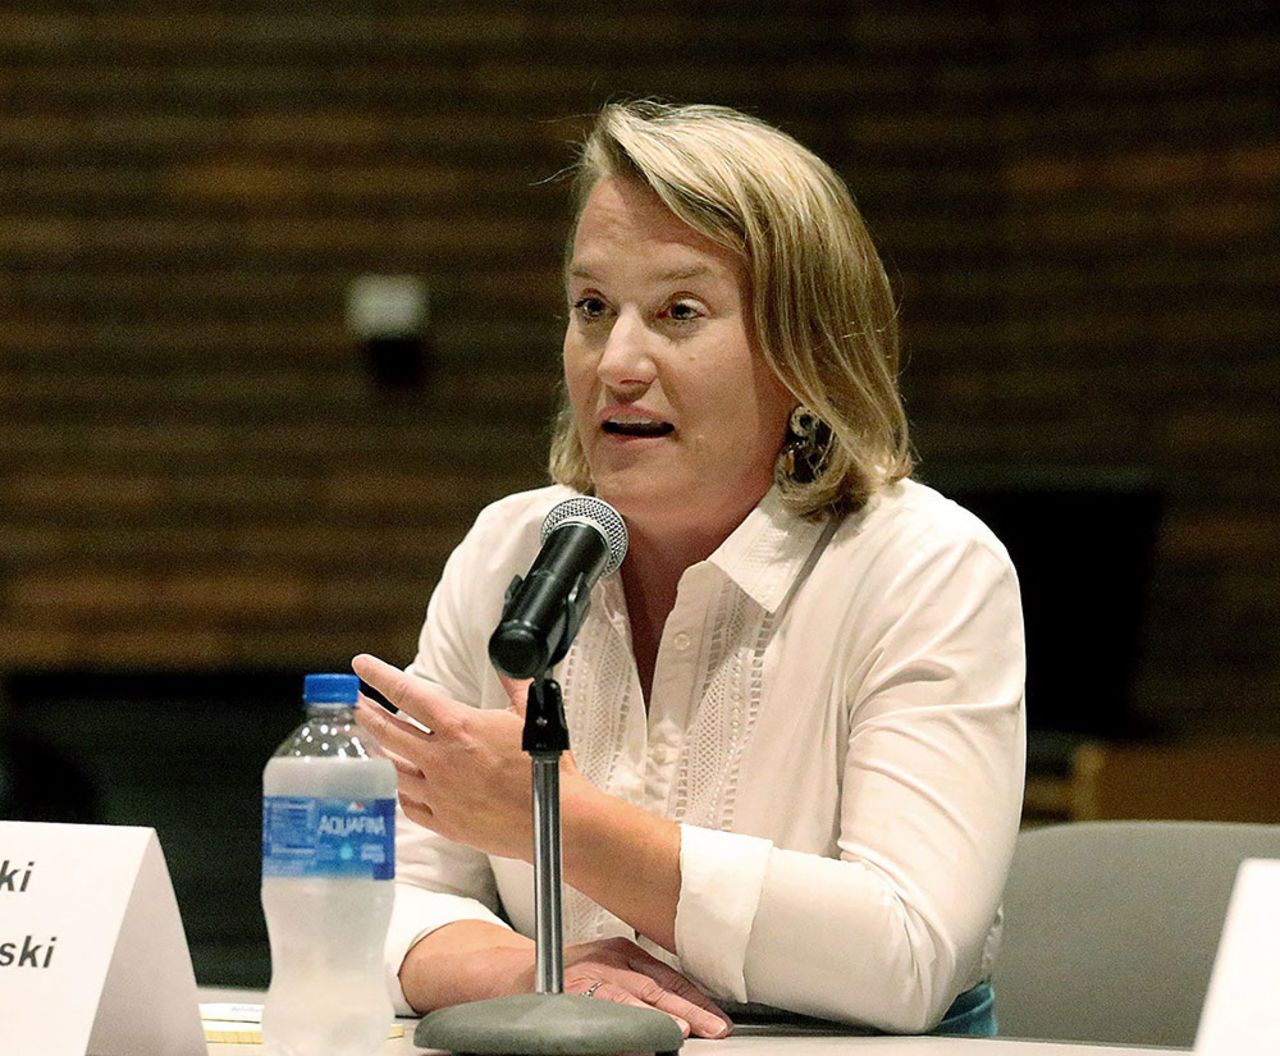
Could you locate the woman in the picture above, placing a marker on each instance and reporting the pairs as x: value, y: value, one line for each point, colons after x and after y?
x: 797, y: 711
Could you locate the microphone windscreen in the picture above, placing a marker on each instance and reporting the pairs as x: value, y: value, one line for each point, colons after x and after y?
x: 587, y: 509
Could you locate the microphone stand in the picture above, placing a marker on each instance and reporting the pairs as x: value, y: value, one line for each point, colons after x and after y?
x: 546, y: 737
x: 548, y: 1021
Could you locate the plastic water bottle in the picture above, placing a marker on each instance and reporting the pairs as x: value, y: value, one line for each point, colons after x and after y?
x: 328, y: 861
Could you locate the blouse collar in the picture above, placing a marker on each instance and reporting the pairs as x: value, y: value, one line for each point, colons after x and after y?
x: 765, y: 554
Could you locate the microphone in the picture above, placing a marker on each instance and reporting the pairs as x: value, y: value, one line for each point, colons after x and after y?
x: 583, y: 539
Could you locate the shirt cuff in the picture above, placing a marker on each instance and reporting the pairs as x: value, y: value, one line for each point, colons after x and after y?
x: 721, y: 877
x: 416, y: 913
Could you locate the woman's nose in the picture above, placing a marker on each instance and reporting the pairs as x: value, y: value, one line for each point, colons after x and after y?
x: 627, y: 360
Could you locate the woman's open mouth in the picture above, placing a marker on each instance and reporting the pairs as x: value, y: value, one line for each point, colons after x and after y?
x: 638, y: 427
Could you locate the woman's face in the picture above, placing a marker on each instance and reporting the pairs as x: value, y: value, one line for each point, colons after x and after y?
x: 681, y: 420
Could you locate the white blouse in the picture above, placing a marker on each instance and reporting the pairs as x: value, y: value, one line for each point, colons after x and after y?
x: 836, y: 720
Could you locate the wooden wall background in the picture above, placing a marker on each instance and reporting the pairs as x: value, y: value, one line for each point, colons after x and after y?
x: 197, y: 474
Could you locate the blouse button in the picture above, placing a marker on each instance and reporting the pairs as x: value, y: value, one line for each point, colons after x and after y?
x: 681, y: 641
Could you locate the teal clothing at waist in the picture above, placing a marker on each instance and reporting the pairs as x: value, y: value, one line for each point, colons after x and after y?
x: 972, y: 1014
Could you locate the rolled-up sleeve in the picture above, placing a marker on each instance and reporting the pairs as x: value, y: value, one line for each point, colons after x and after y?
x: 721, y: 877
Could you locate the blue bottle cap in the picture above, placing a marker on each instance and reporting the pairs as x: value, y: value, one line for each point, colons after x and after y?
x: 330, y: 689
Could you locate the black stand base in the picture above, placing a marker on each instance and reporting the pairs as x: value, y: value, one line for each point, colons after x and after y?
x: 548, y: 1025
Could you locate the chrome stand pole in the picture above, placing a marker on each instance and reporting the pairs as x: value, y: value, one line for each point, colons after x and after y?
x: 548, y: 933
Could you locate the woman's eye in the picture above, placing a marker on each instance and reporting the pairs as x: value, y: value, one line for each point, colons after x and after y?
x: 589, y: 308
x: 683, y: 311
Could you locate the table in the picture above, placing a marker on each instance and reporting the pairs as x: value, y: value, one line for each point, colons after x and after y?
x: 750, y: 1040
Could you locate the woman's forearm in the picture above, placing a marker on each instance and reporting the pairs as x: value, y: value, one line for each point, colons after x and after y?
x: 624, y: 858
x: 467, y: 960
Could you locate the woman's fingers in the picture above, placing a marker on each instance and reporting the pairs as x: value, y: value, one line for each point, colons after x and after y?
x: 703, y: 1023
x: 390, y: 681
x: 413, y: 794
x: 644, y: 963
x: 409, y: 694
x: 611, y: 991
x: 411, y: 786
x: 392, y: 733
x: 408, y: 774
x: 369, y: 720
x: 642, y: 990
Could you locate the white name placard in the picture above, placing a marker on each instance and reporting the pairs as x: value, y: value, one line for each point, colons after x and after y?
x: 1240, y: 1009
x: 93, y: 958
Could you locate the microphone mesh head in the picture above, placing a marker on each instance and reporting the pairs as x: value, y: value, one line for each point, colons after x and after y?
x: 587, y: 509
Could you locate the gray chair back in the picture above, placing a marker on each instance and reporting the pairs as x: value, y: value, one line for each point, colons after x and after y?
x: 1111, y: 927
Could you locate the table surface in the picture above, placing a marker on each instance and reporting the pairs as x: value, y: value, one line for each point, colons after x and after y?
x: 750, y: 1040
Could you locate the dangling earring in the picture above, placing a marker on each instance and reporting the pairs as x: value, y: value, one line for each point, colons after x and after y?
x: 804, y: 423
x: 806, y: 446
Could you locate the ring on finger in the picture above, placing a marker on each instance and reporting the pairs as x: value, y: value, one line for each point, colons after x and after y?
x: 591, y: 990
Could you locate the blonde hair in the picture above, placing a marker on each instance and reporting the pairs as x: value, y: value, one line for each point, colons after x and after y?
x: 822, y: 309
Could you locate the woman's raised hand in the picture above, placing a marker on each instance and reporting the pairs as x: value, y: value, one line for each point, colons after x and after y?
x: 465, y: 775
